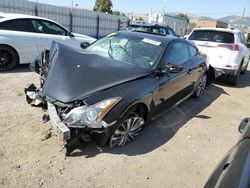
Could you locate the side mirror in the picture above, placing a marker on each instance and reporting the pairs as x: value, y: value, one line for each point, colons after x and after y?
x: 178, y: 36
x: 173, y: 68
x: 84, y: 45
x: 70, y: 34
x: 243, y: 124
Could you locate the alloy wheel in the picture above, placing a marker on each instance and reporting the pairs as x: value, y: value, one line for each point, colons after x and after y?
x: 202, y: 85
x: 127, y: 131
x: 6, y: 59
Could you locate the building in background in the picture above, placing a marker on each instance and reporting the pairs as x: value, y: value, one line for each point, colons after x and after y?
x: 136, y: 16
x: 210, y: 23
x: 179, y: 25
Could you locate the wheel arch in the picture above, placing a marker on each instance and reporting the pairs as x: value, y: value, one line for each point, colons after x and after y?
x: 140, y: 106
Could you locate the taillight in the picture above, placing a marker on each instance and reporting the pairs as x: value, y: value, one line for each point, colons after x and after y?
x: 233, y: 47
x: 228, y: 66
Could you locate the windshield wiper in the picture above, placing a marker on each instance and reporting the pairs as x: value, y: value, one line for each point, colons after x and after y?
x: 110, y: 49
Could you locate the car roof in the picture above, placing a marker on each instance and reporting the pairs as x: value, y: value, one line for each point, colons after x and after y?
x: 149, y: 25
x: 217, y: 29
x: 11, y: 16
x: 161, y: 38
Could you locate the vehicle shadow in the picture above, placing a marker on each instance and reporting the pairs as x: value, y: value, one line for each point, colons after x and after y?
x: 18, y: 69
x: 242, y: 82
x: 161, y: 130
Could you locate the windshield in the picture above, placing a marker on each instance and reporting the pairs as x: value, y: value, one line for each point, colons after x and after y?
x: 212, y: 36
x: 141, y: 52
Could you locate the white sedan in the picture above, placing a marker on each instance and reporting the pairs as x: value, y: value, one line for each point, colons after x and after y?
x: 23, y: 37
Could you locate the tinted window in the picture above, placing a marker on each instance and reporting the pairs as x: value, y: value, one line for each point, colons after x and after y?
x: 193, y: 51
x: 177, y: 53
x: 17, y: 25
x: 171, y: 32
x: 160, y: 31
x: 212, y: 36
x: 47, y: 27
x: 152, y: 29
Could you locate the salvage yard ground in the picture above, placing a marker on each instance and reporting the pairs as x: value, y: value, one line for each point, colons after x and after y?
x: 179, y: 149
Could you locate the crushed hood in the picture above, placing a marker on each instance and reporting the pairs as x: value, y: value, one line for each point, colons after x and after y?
x: 75, y: 74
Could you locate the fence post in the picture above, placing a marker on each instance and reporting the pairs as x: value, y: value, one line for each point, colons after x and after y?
x: 71, y: 20
x: 119, y: 24
x: 97, y: 26
x: 128, y: 23
x: 36, y: 8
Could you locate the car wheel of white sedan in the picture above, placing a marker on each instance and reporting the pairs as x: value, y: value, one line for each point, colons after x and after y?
x: 8, y: 58
x: 201, y: 86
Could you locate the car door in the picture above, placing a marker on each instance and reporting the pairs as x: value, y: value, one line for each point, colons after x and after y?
x: 175, y: 86
x: 197, y: 64
x: 49, y: 31
x: 19, y: 34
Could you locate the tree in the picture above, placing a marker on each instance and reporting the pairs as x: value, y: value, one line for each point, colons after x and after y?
x: 191, y: 26
x: 116, y: 13
x: 103, y: 6
x: 183, y: 16
x: 140, y: 19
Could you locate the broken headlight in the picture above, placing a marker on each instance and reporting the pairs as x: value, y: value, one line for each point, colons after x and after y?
x: 90, y: 116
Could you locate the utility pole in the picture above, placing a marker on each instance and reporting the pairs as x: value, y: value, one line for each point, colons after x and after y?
x: 164, y: 6
x: 242, y: 17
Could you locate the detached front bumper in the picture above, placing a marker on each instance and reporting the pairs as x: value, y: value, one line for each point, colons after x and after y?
x: 64, y: 132
x: 58, y: 127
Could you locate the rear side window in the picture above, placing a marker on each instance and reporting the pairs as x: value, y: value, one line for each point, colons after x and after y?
x: 212, y: 36
x: 171, y: 32
x: 193, y: 51
x: 17, y: 25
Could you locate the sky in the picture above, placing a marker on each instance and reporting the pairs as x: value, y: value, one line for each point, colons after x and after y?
x: 210, y: 8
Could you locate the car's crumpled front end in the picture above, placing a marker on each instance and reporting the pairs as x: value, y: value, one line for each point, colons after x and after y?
x: 70, y: 79
x: 69, y: 120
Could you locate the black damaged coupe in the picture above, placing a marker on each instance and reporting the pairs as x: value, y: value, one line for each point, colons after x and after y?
x: 112, y: 88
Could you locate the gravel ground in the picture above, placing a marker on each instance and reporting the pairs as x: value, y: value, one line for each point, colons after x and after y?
x: 179, y: 149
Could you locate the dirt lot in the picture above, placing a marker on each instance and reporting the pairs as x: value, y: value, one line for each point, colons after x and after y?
x: 179, y: 149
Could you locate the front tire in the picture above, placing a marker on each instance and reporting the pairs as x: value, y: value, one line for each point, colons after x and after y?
x: 201, y: 86
x: 127, y: 130
x: 8, y: 58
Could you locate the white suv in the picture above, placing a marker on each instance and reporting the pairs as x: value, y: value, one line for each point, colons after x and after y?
x: 226, y: 49
x: 23, y: 37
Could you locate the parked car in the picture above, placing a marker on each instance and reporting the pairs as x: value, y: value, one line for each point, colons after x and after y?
x: 153, y: 28
x: 226, y: 49
x: 234, y: 169
x: 23, y: 37
x: 117, y: 84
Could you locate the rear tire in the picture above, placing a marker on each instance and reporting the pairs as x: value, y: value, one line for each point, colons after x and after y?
x: 8, y: 58
x: 232, y: 79
x: 244, y: 71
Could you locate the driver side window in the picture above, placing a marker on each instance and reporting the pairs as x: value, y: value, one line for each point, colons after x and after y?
x: 47, y: 27
x: 177, y: 54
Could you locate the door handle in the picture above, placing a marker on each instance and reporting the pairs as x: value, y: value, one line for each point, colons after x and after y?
x: 190, y: 71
